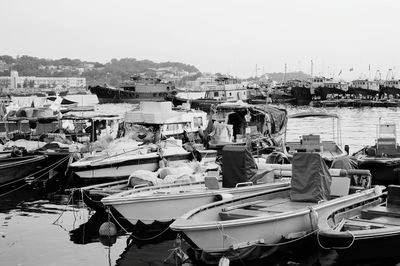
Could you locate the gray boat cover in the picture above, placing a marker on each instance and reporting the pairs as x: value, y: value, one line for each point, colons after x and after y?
x: 311, y: 180
x: 238, y: 165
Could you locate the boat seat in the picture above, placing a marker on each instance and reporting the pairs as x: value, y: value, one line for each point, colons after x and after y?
x: 393, y: 198
x: 211, y: 182
x: 340, y: 186
x: 240, y: 214
x: 379, y: 211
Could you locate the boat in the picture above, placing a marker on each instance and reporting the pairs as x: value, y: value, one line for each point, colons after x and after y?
x: 383, y: 158
x: 238, y: 123
x: 257, y: 225
x: 326, y: 88
x: 138, y: 88
x: 15, y: 169
x: 167, y: 202
x: 365, y: 88
x: 300, y: 90
x: 226, y: 89
x: 126, y: 156
x: 364, y: 231
x: 390, y: 87
x: 171, y: 122
x: 330, y: 148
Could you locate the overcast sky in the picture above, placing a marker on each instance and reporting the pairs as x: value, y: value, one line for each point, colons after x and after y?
x: 214, y: 35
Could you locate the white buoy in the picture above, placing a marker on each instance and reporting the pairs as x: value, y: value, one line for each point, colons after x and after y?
x: 223, y: 261
x: 378, y: 190
x: 108, y: 229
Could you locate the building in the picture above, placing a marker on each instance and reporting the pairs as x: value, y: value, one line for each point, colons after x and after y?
x: 3, y: 66
x: 14, y: 81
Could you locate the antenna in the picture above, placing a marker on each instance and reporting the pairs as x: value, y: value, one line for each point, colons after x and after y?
x: 312, y: 68
x: 388, y: 73
x: 369, y: 72
x: 284, y: 75
x: 257, y: 70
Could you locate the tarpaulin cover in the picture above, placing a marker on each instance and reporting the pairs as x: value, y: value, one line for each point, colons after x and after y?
x: 238, y: 165
x: 311, y: 179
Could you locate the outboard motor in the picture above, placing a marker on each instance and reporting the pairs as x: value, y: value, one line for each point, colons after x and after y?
x: 277, y: 157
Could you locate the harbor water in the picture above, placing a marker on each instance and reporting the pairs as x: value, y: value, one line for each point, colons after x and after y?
x: 46, y: 227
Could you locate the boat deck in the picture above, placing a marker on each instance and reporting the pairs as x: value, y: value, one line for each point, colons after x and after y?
x: 261, y: 208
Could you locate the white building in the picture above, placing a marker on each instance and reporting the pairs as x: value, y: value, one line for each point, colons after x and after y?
x: 14, y: 82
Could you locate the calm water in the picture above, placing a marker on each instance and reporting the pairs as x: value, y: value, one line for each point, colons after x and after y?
x: 47, y: 228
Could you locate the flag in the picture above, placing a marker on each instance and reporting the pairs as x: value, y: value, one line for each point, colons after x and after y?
x: 351, y: 69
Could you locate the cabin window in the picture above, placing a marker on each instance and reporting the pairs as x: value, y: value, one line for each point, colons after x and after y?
x: 244, y: 93
x: 154, y: 94
x: 198, y: 122
x: 216, y: 94
x: 230, y: 94
x: 160, y: 94
x: 172, y: 127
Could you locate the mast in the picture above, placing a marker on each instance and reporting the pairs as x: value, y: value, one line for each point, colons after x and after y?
x: 312, y: 68
x: 284, y: 75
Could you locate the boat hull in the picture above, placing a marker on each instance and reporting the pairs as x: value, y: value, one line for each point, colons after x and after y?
x: 109, y: 95
x: 384, y: 171
x: 354, y: 247
x: 166, y: 206
x: 13, y: 169
x: 239, y: 237
x: 123, y: 169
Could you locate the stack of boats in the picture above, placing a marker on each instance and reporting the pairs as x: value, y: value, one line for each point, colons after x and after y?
x: 249, y: 204
x: 253, y: 207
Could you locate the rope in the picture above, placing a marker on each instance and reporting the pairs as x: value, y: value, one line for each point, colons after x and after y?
x: 8, y: 192
x: 110, y: 213
x: 151, y: 238
x: 65, y: 209
x: 34, y: 180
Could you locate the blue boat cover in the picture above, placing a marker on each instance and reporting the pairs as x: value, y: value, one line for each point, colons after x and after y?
x: 311, y: 179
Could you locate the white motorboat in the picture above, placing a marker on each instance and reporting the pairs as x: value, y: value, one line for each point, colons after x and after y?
x: 166, y: 203
x: 120, y: 164
x: 256, y: 225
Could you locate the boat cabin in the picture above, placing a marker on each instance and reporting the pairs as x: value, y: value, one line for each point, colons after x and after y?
x: 393, y: 83
x: 386, y: 143
x: 154, y: 116
x: 146, y: 84
x: 366, y: 84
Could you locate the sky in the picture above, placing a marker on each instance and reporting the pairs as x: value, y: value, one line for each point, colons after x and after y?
x: 229, y: 36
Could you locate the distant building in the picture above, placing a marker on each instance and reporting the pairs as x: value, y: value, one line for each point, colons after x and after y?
x: 14, y: 81
x: 3, y: 66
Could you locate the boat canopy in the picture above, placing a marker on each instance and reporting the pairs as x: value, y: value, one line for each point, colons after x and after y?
x: 313, y: 114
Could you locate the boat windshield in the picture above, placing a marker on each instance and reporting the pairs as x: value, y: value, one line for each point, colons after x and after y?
x: 326, y: 126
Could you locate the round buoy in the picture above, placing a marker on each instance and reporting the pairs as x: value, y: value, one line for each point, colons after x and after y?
x: 108, y: 241
x: 108, y: 229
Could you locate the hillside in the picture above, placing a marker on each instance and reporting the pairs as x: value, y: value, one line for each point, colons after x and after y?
x: 112, y: 72
x: 278, y: 76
